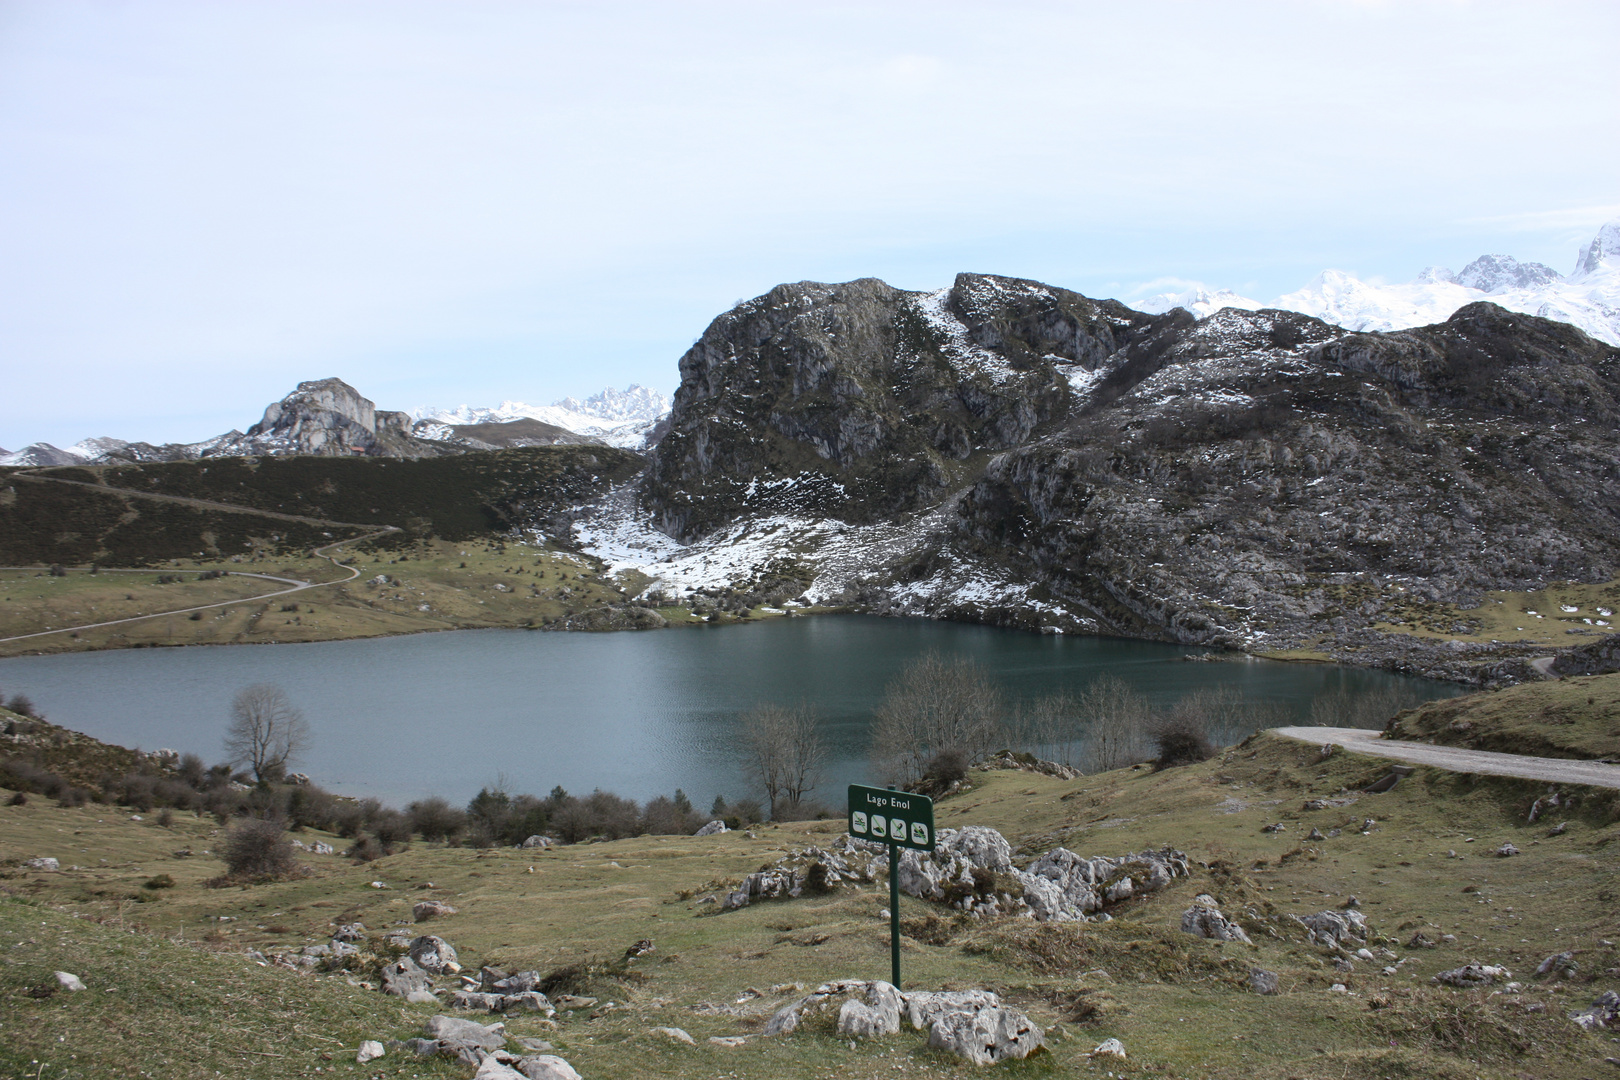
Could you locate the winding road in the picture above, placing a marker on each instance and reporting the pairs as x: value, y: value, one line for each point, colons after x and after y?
x: 1456, y: 759
x: 296, y: 585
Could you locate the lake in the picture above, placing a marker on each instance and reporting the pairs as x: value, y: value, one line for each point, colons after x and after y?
x: 639, y: 714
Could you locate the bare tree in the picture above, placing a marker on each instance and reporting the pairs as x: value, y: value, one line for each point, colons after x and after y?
x: 1049, y: 725
x: 787, y: 754
x: 936, y: 705
x: 1116, y: 719
x: 266, y: 731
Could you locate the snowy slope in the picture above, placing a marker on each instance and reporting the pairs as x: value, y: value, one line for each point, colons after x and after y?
x: 1589, y: 298
x: 617, y: 417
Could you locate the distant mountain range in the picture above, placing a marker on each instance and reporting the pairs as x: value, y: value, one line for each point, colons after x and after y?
x: 329, y: 417
x: 1589, y: 298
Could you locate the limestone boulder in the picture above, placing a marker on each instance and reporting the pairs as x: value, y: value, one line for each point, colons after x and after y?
x: 434, y: 955
x: 987, y: 1035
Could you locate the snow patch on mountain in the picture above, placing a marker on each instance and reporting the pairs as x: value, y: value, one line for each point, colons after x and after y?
x: 622, y: 418
x: 1589, y: 298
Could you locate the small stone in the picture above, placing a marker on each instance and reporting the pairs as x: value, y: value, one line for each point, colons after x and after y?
x: 1262, y: 981
x: 45, y: 863
x: 378, y: 885
x: 421, y: 997
x: 431, y: 909
x: 676, y: 1034
x: 728, y: 1040
x: 69, y: 981
x: 1507, y: 849
x: 1339, y: 988
x: 369, y: 1050
x: 1109, y: 1048
x: 713, y: 828
x: 1315, y: 834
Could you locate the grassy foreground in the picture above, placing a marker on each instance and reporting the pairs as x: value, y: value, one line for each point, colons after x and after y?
x: 188, y: 1003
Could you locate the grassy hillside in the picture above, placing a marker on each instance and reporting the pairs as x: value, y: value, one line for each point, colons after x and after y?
x: 454, y: 498
x: 450, y: 497
x: 42, y: 523
x: 1567, y: 718
x: 1426, y: 864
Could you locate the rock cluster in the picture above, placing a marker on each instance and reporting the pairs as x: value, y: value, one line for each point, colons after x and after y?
x: 496, y: 991
x: 972, y: 870
x: 1602, y: 1014
x: 973, y: 1024
x: 1472, y: 975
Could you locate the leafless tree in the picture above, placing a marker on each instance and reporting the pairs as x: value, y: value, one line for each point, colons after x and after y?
x: 1116, y: 720
x: 787, y: 754
x: 1049, y: 726
x: 936, y: 705
x: 266, y: 732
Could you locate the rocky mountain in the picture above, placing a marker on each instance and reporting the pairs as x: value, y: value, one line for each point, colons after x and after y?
x: 1589, y: 298
x: 329, y: 417
x: 1014, y: 453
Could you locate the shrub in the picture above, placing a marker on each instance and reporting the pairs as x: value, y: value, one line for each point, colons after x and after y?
x: 23, y: 705
x: 18, y: 799
x: 258, y: 847
x: 436, y: 819
x: 365, y: 849
x: 947, y: 767
x: 1182, y: 738
x: 166, y: 818
x: 161, y: 881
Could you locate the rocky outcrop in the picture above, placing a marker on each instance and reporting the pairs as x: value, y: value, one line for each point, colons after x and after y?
x: 328, y: 417
x: 971, y: 869
x: 973, y: 1024
x: 856, y: 401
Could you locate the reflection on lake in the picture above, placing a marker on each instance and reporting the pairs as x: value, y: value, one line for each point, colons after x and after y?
x: 635, y: 713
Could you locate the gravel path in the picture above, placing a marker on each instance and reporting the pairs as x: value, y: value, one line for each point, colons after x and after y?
x: 1552, y: 770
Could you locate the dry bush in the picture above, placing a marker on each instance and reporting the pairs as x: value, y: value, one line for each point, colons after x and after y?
x: 258, y: 848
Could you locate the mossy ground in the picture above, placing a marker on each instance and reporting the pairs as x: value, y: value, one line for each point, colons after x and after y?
x: 1177, y: 1002
x: 1561, y: 614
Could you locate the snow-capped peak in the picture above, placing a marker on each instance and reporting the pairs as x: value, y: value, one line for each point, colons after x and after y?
x: 616, y: 417
x: 1499, y: 273
x: 1199, y: 300
x: 1433, y: 275
x: 1588, y: 298
x: 1602, y: 255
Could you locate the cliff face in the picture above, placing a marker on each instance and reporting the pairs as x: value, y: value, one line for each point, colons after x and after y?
x: 1044, y: 460
x: 859, y: 401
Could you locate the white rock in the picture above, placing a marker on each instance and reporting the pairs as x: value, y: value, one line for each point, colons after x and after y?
x: 878, y: 1015
x: 369, y: 1050
x: 43, y: 864
x: 677, y: 1034
x: 712, y: 828
x: 1109, y: 1048
x: 987, y: 1036
x: 546, y: 1067
x: 69, y: 981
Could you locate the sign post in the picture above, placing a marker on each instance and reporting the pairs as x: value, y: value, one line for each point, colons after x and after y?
x: 897, y: 819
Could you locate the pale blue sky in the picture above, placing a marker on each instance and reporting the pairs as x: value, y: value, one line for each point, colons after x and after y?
x: 203, y: 203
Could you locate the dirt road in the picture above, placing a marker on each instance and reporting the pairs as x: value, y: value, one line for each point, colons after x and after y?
x: 1552, y: 770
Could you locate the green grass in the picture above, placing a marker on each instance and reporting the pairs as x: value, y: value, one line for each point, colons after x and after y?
x: 1176, y: 1002
x: 1567, y: 718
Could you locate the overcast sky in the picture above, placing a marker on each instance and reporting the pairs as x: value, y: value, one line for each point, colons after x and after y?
x: 203, y: 204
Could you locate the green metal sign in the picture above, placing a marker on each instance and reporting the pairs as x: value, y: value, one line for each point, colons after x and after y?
x: 898, y: 819
x: 886, y: 816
